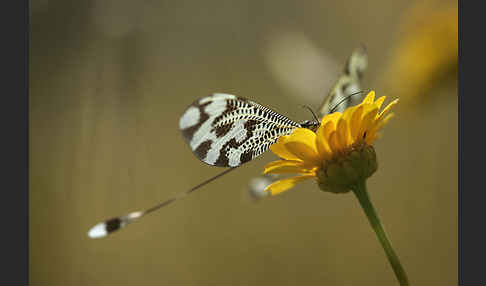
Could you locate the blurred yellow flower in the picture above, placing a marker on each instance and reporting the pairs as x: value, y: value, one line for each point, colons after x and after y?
x: 338, y: 154
x: 426, y: 54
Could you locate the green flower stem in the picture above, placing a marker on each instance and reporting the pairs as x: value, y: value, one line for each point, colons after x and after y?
x: 360, y: 191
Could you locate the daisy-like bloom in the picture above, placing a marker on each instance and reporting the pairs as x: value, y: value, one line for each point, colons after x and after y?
x: 338, y: 154
x: 340, y: 157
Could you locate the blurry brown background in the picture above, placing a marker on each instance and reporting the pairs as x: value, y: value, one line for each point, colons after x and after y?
x: 109, y: 80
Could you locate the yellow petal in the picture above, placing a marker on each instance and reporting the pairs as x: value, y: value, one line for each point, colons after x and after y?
x: 287, y: 167
x: 387, y: 108
x: 285, y: 184
x: 329, y: 127
x: 355, y: 122
x: 381, y: 123
x: 372, y: 135
x: 302, y: 143
x: 342, y: 131
x: 367, y: 108
x: 367, y: 121
x: 333, y: 142
x: 333, y: 117
x: 348, y: 113
x: 380, y: 101
x: 321, y: 140
x: 280, y: 150
x: 370, y: 97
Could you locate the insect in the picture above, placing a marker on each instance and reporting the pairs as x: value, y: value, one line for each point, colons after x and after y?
x: 344, y: 93
x: 225, y: 130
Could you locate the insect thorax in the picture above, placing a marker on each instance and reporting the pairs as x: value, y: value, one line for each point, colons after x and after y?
x: 310, y: 124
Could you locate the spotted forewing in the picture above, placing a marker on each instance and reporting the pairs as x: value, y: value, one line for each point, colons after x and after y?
x: 226, y: 131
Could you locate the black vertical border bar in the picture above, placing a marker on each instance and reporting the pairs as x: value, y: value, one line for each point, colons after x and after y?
x: 472, y: 170
x: 14, y: 123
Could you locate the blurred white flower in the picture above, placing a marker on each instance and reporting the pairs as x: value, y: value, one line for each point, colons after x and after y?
x: 257, y: 186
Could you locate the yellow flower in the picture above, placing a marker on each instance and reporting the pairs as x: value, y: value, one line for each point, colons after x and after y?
x: 340, y: 157
x: 338, y: 154
x: 425, y: 56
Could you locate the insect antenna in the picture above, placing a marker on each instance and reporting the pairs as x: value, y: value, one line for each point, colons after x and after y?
x: 344, y: 99
x: 312, y: 111
x: 106, y: 227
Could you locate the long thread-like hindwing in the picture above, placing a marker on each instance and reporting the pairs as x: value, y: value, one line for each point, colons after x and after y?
x: 226, y: 131
x: 348, y: 83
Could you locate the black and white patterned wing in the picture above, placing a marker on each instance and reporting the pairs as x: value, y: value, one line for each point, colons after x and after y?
x: 349, y: 82
x: 226, y: 131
